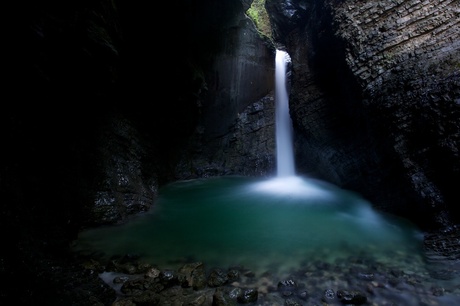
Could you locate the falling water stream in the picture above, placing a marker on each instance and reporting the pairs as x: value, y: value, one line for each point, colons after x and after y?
x: 284, y: 145
x: 276, y: 225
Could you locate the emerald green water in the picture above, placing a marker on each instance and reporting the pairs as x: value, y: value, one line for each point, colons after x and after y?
x: 228, y: 221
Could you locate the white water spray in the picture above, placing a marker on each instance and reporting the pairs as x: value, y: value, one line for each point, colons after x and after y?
x: 284, y: 145
x: 287, y: 183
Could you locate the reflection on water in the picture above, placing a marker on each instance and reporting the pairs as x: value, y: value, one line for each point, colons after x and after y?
x: 259, y: 224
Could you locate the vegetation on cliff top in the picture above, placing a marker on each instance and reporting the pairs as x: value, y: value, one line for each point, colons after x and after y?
x: 260, y: 17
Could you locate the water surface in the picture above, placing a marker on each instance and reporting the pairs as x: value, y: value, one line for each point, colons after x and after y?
x: 274, y: 224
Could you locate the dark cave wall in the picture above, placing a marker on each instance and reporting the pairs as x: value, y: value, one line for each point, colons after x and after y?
x: 372, y: 85
x: 410, y: 79
x: 206, y: 75
x: 235, y: 129
x: 334, y: 136
x: 119, y: 98
x: 62, y: 55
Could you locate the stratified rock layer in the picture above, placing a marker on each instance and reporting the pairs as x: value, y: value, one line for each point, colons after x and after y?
x: 375, y: 92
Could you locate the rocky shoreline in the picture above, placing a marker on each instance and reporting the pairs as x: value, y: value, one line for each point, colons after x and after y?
x: 351, y: 281
x: 76, y: 280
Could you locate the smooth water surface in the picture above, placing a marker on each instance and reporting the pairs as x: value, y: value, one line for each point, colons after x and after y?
x: 276, y: 224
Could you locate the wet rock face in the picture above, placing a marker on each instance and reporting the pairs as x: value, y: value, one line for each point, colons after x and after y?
x: 406, y: 61
x: 285, y: 16
x: 248, y: 147
x: 234, y: 131
x: 374, y: 100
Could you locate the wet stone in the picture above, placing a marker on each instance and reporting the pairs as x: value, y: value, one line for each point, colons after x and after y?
x: 329, y: 294
x: 351, y: 297
x: 217, y: 278
x: 248, y: 296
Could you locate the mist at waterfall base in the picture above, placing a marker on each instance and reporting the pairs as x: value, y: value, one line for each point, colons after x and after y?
x: 262, y: 224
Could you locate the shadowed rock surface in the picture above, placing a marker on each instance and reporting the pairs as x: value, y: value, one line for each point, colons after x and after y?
x: 372, y: 83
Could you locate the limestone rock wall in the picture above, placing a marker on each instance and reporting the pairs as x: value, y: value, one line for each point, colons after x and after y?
x: 209, y: 112
x: 408, y: 66
x: 375, y: 93
x: 248, y: 148
x: 234, y: 133
x: 239, y: 74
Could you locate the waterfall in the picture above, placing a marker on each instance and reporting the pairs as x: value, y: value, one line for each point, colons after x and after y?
x: 284, y: 145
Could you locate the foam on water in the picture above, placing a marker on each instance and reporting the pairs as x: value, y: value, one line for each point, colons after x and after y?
x: 294, y: 186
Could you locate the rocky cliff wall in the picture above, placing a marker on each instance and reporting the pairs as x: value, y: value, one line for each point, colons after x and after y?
x: 208, y: 106
x: 234, y: 133
x: 375, y: 92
